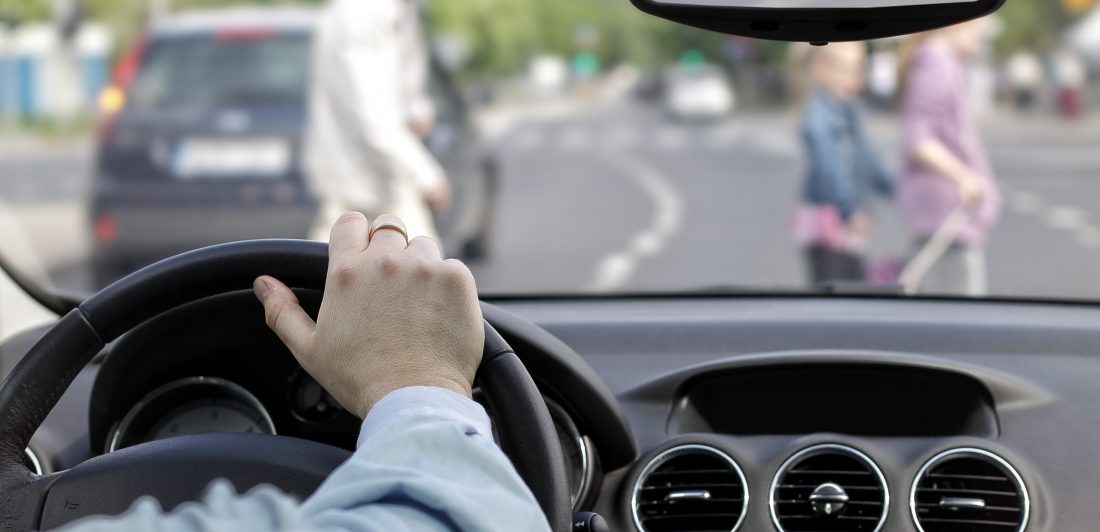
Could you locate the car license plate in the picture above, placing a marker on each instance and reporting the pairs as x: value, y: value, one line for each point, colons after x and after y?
x: 224, y: 158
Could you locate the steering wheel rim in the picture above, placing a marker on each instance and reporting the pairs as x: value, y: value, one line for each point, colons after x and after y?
x: 37, y: 382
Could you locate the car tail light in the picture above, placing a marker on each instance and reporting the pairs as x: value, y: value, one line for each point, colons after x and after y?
x: 106, y: 229
x: 113, y: 98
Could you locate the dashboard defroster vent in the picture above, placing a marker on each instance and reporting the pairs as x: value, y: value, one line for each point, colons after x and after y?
x: 829, y: 488
x: 969, y: 490
x: 690, y: 487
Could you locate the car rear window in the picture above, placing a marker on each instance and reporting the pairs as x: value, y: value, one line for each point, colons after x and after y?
x: 219, y: 69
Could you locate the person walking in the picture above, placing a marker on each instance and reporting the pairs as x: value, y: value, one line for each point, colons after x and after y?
x: 946, y: 168
x: 845, y: 169
x: 369, y: 110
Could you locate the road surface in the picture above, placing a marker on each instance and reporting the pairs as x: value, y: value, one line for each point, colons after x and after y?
x: 615, y: 197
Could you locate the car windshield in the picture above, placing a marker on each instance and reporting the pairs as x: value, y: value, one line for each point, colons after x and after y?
x: 559, y: 147
x: 219, y: 68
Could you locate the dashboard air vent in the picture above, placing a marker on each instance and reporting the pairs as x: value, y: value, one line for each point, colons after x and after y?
x: 690, y: 487
x: 969, y: 490
x: 829, y: 488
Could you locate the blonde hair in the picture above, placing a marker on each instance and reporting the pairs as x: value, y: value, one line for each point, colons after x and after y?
x: 800, y: 61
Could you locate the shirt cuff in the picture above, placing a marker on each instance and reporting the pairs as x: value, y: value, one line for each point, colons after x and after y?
x: 424, y: 401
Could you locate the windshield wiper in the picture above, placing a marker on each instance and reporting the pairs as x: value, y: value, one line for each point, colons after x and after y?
x: 57, y: 303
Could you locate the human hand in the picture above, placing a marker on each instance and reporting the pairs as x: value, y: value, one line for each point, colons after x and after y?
x: 393, y: 315
x: 439, y: 197
x: 422, y: 127
x: 970, y: 189
x: 859, y: 225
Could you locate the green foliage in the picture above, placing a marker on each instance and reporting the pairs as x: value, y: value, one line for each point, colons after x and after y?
x: 504, y: 33
x: 24, y: 10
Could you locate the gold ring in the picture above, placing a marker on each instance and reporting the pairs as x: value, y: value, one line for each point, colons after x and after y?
x: 389, y: 225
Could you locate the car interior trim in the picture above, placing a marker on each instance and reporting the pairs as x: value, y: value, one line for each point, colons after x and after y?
x: 231, y: 388
x: 818, y: 449
x: 34, y: 461
x: 1009, y: 470
x: 560, y: 417
x: 678, y: 450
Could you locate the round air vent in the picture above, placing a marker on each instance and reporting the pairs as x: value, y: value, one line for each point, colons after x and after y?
x: 690, y: 487
x: 829, y: 488
x: 969, y: 490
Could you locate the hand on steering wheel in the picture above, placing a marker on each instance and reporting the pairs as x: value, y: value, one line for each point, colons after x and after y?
x: 178, y: 469
x: 394, y: 314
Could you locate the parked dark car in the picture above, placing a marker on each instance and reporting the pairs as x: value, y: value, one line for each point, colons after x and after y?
x: 201, y: 135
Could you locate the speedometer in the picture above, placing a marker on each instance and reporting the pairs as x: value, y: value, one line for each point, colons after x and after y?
x: 575, y: 450
x: 195, y: 405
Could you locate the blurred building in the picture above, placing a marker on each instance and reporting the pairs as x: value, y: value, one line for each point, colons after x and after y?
x: 46, y: 76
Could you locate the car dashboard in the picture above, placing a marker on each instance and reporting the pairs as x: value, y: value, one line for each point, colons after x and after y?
x: 692, y: 413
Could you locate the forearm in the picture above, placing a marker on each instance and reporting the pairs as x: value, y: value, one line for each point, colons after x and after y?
x: 934, y: 156
x: 426, y: 460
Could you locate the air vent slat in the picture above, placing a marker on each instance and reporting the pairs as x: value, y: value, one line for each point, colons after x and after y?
x: 969, y: 490
x: 829, y: 488
x: 691, y: 487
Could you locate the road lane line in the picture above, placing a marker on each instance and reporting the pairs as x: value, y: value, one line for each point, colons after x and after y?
x: 575, y: 138
x: 621, y: 137
x: 1067, y: 218
x: 724, y: 136
x: 615, y: 269
x: 672, y: 138
x: 528, y: 139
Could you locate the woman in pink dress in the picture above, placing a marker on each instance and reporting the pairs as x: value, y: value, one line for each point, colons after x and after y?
x: 946, y: 167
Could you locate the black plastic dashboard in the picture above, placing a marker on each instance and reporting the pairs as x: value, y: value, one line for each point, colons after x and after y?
x: 771, y: 384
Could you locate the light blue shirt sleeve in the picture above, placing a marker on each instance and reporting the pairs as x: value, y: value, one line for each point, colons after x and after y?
x: 425, y: 461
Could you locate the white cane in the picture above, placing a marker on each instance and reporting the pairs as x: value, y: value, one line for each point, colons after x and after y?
x: 933, y: 250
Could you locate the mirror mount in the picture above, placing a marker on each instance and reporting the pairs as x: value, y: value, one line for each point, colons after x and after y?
x: 807, y: 21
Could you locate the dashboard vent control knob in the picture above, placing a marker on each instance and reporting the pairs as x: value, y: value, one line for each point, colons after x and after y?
x: 829, y: 487
x: 828, y: 499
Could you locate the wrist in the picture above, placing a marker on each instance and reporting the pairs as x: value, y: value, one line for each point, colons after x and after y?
x: 383, y: 388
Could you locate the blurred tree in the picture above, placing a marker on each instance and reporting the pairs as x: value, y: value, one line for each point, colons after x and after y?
x: 18, y: 11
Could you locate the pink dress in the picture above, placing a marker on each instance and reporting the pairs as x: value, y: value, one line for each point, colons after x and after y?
x: 937, y: 107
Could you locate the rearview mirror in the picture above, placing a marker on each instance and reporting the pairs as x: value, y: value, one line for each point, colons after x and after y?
x: 818, y: 21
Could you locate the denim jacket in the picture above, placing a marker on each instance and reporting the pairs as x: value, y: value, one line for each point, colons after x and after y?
x: 844, y: 165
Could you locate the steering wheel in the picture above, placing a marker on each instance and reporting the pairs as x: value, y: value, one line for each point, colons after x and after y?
x: 178, y: 469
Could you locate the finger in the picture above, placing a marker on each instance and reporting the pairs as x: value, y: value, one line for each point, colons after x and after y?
x: 284, y: 315
x: 385, y: 237
x: 426, y: 247
x: 348, y: 237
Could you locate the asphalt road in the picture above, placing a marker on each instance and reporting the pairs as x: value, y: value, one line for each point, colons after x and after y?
x: 620, y: 198
x: 616, y: 197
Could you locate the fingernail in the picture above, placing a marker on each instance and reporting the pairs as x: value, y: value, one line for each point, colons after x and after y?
x: 262, y: 287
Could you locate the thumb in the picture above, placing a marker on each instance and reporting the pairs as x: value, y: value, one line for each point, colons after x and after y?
x: 284, y: 315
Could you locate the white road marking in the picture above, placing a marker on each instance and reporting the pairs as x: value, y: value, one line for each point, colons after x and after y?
x: 615, y: 269
x: 672, y: 139
x: 575, y: 138
x: 529, y: 139
x: 780, y: 144
x: 621, y: 137
x: 724, y: 136
x: 1088, y: 237
x: 1068, y: 218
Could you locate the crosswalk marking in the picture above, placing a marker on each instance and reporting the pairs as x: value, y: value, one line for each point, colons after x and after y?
x: 672, y: 139
x: 575, y: 138
x: 621, y: 137
x: 724, y: 136
x: 667, y: 138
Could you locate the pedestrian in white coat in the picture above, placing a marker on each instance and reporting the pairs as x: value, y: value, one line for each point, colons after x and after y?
x: 369, y: 111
